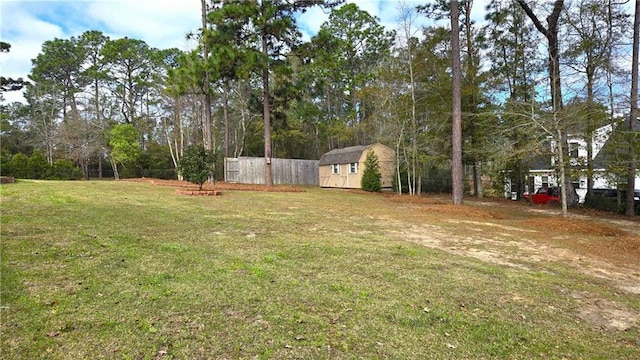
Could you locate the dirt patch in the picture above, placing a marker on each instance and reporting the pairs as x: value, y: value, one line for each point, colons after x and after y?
x: 439, y: 205
x: 220, y: 185
x: 605, y: 314
x: 457, y: 211
x: 603, y: 246
x: 417, y: 200
x: 619, y: 250
x: 495, y: 244
x: 198, y: 192
x: 574, y: 226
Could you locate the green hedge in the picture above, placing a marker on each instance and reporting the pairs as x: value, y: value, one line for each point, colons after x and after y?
x: 36, y: 166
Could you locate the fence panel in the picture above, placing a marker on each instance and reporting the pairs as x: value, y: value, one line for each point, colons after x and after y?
x: 250, y: 170
x: 231, y: 169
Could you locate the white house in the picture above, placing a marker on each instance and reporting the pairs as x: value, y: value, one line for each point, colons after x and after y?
x: 543, y: 173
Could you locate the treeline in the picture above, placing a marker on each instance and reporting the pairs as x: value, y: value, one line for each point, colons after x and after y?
x: 254, y: 88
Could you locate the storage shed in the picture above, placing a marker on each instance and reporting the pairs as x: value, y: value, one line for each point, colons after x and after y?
x: 343, y: 168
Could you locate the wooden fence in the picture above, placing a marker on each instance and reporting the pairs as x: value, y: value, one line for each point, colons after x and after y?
x: 250, y: 170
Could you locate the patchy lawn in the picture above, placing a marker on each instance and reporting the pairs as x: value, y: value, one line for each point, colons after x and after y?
x: 130, y: 270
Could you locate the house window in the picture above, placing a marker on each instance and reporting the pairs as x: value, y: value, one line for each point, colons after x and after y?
x: 335, y: 169
x: 353, y: 168
x: 545, y: 181
x: 573, y: 150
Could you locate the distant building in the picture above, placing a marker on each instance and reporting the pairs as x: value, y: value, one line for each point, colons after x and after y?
x: 343, y: 168
x: 543, y: 169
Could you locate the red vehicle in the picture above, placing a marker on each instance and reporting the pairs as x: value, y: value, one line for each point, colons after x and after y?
x: 547, y: 196
x: 544, y: 196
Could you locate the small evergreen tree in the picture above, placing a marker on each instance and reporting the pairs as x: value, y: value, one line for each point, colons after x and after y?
x: 18, y: 166
x: 38, y: 167
x: 371, y: 178
x: 196, y: 165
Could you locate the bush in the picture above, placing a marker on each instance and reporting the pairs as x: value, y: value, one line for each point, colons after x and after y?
x: 371, y: 178
x: 196, y: 165
x: 156, y: 162
x: 64, y: 169
x: 38, y: 166
x: 18, y: 166
x: 5, y: 158
x: 597, y: 200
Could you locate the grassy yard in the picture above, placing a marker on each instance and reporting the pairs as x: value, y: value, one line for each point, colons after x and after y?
x: 129, y: 270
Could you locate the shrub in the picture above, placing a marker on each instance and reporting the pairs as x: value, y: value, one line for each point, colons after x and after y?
x: 64, y: 169
x: 196, y: 165
x: 5, y: 158
x: 371, y: 177
x: 156, y: 162
x: 18, y: 166
x: 38, y: 166
x: 608, y: 203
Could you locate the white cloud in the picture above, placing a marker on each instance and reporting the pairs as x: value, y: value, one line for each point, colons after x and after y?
x: 26, y: 25
x: 310, y: 22
x: 160, y: 23
x: 25, y: 33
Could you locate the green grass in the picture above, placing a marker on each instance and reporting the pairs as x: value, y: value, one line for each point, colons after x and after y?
x: 129, y: 270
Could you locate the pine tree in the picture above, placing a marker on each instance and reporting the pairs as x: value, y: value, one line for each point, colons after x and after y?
x: 371, y: 178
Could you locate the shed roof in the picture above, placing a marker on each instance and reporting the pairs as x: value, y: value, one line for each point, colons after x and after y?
x: 344, y: 156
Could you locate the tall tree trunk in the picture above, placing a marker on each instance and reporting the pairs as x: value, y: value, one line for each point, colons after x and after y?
x: 116, y: 175
x: 472, y: 106
x: 208, y: 143
x: 519, y: 167
x: 399, y: 178
x: 633, y: 115
x: 477, y: 179
x: 563, y: 162
x: 407, y: 24
x: 131, y: 108
x: 225, y: 115
x: 610, y: 70
x: 551, y: 33
x: 96, y: 100
x: 414, y: 128
x: 456, y: 161
x: 590, y: 128
x: 267, y: 120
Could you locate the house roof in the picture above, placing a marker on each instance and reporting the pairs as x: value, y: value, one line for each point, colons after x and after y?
x: 344, y: 156
x: 604, y: 156
x: 607, y: 154
x: 540, y: 162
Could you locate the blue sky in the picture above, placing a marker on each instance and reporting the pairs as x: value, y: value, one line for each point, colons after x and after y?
x: 26, y: 24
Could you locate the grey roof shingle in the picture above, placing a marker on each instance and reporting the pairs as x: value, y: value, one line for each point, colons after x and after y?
x: 540, y: 162
x: 343, y: 156
x: 610, y: 151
